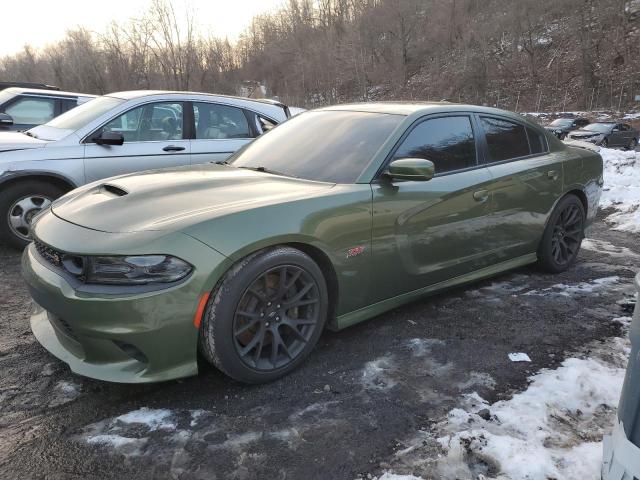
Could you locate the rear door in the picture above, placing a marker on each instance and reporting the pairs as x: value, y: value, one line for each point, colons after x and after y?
x: 425, y: 232
x: 219, y: 131
x: 153, y: 138
x: 527, y: 181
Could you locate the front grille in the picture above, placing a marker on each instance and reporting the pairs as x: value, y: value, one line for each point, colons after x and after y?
x: 51, y: 255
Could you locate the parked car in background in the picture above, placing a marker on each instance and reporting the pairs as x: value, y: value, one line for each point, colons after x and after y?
x: 25, y: 108
x: 621, y: 459
x: 332, y: 218
x: 39, y: 86
x: 560, y: 127
x: 120, y: 133
x: 607, y: 134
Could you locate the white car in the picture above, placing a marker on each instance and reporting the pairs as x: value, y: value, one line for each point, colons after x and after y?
x: 116, y: 134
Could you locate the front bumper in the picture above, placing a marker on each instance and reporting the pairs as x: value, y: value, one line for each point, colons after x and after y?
x: 130, y: 337
x: 621, y: 460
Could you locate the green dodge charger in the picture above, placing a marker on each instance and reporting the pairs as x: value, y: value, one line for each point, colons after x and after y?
x: 331, y: 218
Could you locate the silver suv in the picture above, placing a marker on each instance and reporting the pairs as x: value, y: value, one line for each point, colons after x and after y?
x: 120, y: 133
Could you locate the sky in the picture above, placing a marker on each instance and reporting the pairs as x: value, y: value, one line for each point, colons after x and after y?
x: 46, y: 21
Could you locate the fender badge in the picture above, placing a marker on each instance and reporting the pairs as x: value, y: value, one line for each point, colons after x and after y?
x: 355, y: 251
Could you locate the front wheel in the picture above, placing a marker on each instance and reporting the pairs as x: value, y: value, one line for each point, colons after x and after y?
x: 19, y: 203
x: 562, y: 236
x: 632, y: 144
x: 604, y: 143
x: 265, y: 316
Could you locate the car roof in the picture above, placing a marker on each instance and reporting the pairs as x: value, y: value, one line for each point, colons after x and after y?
x: 131, y: 94
x: 47, y: 93
x: 420, y: 108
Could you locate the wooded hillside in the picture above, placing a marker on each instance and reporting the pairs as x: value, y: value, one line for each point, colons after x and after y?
x: 516, y: 54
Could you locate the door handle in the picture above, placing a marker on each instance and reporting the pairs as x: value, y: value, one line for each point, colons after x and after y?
x: 552, y: 174
x: 173, y: 148
x: 481, y: 195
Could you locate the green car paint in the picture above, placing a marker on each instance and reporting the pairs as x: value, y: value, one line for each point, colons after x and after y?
x: 380, y: 243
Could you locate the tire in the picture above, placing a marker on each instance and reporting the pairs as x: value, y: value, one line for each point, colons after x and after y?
x: 562, y: 236
x: 19, y: 202
x: 249, y: 304
x: 604, y: 143
x: 632, y: 144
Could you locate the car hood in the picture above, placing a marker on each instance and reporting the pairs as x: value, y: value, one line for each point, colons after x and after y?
x: 170, y: 199
x: 19, y: 141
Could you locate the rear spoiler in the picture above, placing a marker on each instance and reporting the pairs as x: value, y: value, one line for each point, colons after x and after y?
x: 270, y: 101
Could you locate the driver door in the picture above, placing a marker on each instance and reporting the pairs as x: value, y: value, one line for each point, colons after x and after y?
x: 153, y: 138
x: 425, y: 232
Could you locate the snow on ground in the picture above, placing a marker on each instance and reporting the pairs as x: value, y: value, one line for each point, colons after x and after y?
x: 552, y: 430
x: 622, y: 188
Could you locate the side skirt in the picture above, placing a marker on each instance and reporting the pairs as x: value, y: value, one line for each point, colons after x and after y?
x: 357, y: 316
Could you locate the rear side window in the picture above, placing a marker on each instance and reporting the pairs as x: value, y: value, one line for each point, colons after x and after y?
x: 505, y: 139
x: 447, y: 141
x: 220, y: 122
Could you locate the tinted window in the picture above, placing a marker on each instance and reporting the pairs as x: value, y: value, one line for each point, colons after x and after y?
x: 536, y: 141
x: 32, y: 110
x: 219, y: 122
x: 329, y: 146
x: 505, y: 139
x: 448, y: 142
x: 68, y: 104
x: 150, y: 122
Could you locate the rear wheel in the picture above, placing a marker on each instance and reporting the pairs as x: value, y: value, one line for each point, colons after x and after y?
x: 265, y: 316
x: 562, y: 236
x: 19, y: 203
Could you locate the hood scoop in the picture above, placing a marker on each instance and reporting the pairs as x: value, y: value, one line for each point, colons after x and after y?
x: 113, y: 190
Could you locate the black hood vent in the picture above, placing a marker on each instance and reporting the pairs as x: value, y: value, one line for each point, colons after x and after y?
x: 112, y: 189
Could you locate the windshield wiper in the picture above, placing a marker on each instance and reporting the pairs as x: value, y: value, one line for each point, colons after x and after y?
x: 267, y: 170
x: 30, y: 134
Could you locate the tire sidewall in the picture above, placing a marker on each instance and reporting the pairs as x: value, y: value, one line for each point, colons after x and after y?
x: 217, y: 329
x: 9, y: 194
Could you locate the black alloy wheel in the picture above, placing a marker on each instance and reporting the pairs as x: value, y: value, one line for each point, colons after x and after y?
x: 276, y: 317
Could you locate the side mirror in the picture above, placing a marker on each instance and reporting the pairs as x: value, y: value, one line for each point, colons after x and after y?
x: 417, y: 169
x: 6, y: 120
x: 109, y: 138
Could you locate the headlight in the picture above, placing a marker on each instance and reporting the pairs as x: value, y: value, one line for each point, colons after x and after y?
x: 131, y: 270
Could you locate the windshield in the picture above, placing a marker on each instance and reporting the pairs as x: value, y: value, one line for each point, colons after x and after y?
x: 599, y: 127
x: 87, y: 112
x: 326, y: 146
x: 561, y: 122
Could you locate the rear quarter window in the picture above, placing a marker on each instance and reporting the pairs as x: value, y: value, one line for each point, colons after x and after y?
x: 505, y: 139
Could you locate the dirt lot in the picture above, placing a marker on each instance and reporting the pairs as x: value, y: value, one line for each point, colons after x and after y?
x: 362, y: 394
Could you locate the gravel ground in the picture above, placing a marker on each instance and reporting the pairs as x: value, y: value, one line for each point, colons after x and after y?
x: 344, y: 414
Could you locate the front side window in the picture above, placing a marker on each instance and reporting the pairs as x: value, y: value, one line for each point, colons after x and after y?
x: 327, y: 146
x: 35, y: 111
x: 220, y: 122
x: 149, y: 123
x: 447, y: 141
x: 505, y: 139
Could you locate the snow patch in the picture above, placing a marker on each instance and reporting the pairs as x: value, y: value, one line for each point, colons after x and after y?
x: 376, y: 374
x: 608, y: 248
x: 421, y: 347
x: 153, y: 419
x: 621, y: 189
x: 581, y: 288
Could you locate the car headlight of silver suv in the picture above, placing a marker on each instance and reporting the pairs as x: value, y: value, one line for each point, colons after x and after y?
x: 127, y: 270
